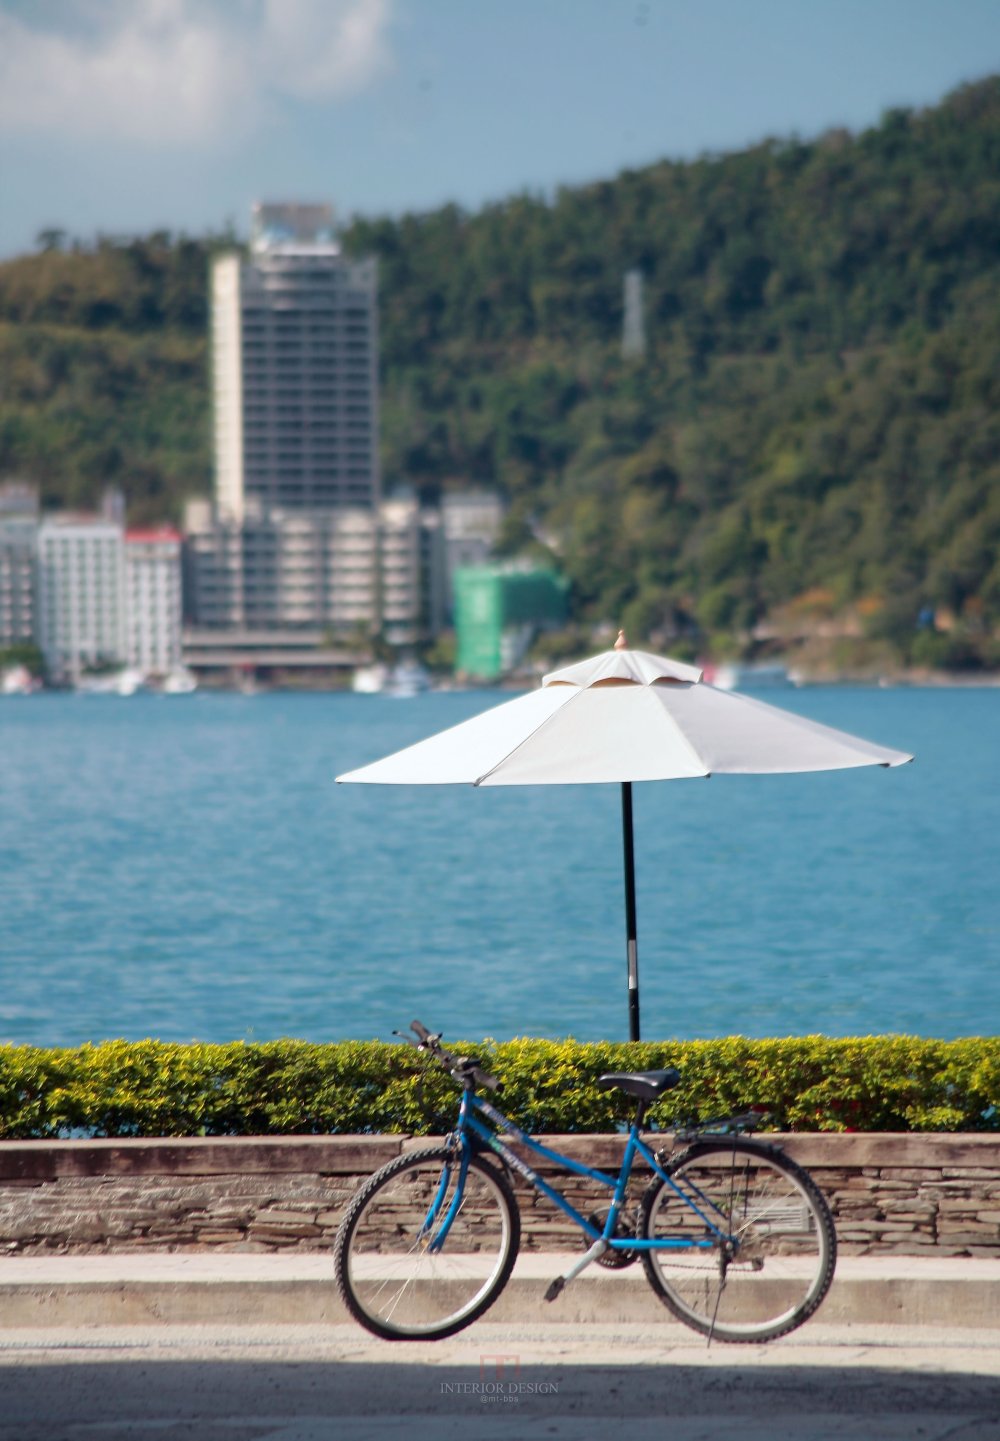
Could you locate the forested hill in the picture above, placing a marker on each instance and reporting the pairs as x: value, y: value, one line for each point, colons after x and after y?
x: 814, y: 431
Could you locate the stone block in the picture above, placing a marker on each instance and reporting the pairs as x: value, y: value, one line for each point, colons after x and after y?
x: 283, y: 1234
x: 85, y: 1226
x: 287, y: 1217
x: 968, y: 1232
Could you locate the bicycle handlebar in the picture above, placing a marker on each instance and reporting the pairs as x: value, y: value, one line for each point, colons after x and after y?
x: 464, y: 1068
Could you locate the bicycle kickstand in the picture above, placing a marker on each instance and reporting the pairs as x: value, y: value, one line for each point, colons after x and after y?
x: 557, y: 1286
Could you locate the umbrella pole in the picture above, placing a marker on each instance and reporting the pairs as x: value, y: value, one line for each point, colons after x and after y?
x: 630, y: 926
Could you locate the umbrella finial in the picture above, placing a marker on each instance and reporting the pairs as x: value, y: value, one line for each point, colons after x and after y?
x: 621, y: 643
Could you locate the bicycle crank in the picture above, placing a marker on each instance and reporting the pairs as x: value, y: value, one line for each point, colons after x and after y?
x: 613, y: 1259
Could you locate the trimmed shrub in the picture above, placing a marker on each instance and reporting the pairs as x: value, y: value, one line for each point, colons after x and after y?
x: 809, y: 1083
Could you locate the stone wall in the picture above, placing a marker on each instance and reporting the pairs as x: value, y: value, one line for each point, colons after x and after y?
x: 914, y: 1194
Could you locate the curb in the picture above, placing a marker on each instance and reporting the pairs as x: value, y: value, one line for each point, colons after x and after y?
x: 239, y: 1290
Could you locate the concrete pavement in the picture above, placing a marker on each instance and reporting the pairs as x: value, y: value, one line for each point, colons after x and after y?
x: 570, y: 1382
x: 119, y: 1347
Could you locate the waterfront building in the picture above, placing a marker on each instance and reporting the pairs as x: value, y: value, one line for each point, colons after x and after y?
x: 18, y: 539
x: 351, y: 571
x: 81, y: 602
x: 470, y: 521
x: 499, y: 610
x: 153, y: 599
x: 294, y: 364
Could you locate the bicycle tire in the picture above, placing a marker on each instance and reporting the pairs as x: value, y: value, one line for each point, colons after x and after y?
x: 777, y: 1268
x: 391, y: 1280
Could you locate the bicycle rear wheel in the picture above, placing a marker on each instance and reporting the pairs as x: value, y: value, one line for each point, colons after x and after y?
x: 773, y: 1262
x: 406, y: 1272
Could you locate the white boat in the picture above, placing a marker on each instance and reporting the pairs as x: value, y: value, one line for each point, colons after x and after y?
x: 17, y: 680
x: 118, y: 682
x: 179, y: 681
x: 408, y: 678
x: 370, y: 679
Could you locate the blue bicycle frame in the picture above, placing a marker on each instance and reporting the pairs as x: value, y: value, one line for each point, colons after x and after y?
x: 472, y: 1135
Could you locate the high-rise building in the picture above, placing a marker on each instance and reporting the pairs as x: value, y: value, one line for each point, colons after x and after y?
x: 294, y: 355
x: 153, y: 599
x: 299, y: 539
x: 81, y: 594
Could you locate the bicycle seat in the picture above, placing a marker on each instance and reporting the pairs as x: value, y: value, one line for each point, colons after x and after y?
x: 647, y: 1085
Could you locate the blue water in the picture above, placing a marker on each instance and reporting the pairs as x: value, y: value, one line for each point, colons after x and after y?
x: 186, y: 868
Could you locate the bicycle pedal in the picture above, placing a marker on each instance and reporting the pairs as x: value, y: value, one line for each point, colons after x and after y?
x: 555, y: 1288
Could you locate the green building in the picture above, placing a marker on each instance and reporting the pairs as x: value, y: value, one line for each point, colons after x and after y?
x: 498, y: 611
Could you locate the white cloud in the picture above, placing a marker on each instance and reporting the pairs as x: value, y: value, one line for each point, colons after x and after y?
x: 177, y: 72
x: 319, y: 50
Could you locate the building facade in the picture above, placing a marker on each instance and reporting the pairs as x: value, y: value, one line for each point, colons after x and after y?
x: 499, y: 610
x: 471, y: 521
x: 153, y: 600
x: 294, y: 362
x: 81, y: 603
x: 18, y: 539
x: 346, y: 571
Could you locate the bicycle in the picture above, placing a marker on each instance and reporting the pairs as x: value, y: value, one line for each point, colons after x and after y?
x: 736, y: 1239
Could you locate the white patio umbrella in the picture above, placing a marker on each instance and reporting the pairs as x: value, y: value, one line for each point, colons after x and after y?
x: 620, y: 717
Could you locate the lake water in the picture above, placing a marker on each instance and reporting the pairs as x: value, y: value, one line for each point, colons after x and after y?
x: 186, y: 868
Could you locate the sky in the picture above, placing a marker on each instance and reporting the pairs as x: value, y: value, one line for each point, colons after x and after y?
x: 126, y: 116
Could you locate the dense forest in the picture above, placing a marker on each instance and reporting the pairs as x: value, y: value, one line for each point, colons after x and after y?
x: 809, y: 447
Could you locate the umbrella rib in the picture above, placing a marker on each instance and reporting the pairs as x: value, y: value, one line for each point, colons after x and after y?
x: 706, y: 769
x: 701, y: 771
x: 525, y: 739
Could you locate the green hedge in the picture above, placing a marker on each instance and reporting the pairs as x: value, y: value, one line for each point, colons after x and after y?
x: 286, y: 1087
x: 811, y: 1083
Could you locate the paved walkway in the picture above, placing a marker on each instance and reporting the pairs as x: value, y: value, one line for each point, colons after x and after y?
x: 565, y: 1383
x: 242, y: 1347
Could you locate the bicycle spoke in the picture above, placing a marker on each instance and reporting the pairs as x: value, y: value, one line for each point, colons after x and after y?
x: 772, y: 1265
x: 394, y: 1278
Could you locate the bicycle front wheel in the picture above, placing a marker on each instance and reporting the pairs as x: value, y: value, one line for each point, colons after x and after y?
x: 414, y: 1259
x: 752, y: 1243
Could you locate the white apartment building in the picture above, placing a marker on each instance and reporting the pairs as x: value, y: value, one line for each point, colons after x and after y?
x: 153, y: 599
x: 344, y: 570
x: 294, y: 364
x: 80, y: 619
x: 411, y: 559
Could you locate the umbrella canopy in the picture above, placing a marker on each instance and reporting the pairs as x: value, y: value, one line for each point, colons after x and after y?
x: 620, y: 717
